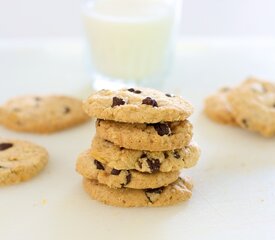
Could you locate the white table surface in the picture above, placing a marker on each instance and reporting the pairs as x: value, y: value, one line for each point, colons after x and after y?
x: 234, y: 191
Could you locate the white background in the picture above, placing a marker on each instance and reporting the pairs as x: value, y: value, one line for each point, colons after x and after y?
x: 234, y: 180
x: 61, y: 18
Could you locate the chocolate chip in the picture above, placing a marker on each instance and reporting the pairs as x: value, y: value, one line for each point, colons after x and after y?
x: 128, y: 177
x: 16, y: 109
x: 176, y: 155
x: 150, y: 101
x: 121, y: 148
x: 67, y: 110
x: 143, y: 155
x: 154, y: 164
x: 134, y: 91
x: 37, y: 99
x: 98, y: 122
x: 154, y: 190
x: 225, y: 89
x: 5, y: 146
x: 273, y: 105
x: 244, y: 122
x: 140, y: 164
x: 98, y: 165
x: 117, y: 101
x: 150, y: 191
x: 115, y: 171
x: 107, y: 141
x: 162, y: 129
x: 166, y: 155
x: 169, y: 95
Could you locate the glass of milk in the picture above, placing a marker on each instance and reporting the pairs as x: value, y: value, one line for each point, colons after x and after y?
x: 130, y: 41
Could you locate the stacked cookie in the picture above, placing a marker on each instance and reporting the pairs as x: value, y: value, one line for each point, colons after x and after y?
x: 142, y: 142
x: 251, y: 105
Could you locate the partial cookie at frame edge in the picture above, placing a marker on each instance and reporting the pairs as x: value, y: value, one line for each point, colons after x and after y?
x: 253, y: 106
x: 20, y: 160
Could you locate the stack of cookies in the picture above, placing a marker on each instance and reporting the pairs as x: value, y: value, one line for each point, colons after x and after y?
x: 142, y: 142
x: 251, y: 106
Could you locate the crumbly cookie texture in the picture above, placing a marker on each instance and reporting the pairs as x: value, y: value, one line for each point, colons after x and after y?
x: 217, y: 107
x: 148, y: 137
x: 174, y: 193
x: 90, y: 168
x: 253, y: 106
x: 20, y: 160
x: 144, y: 161
x: 139, y: 105
x: 42, y: 114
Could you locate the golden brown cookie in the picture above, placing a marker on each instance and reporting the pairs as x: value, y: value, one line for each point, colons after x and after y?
x: 150, y: 137
x: 217, y: 107
x: 174, y: 193
x: 139, y: 105
x: 90, y: 168
x: 20, y: 160
x: 144, y: 161
x: 253, y: 106
x: 42, y: 114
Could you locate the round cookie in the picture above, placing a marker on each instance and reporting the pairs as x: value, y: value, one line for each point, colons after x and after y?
x: 253, y: 106
x: 150, y: 137
x: 144, y: 161
x: 90, y: 168
x: 42, y: 114
x: 20, y: 160
x: 140, y: 105
x: 217, y: 107
x: 174, y: 193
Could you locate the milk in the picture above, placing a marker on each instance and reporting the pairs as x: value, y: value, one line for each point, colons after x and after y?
x: 129, y: 39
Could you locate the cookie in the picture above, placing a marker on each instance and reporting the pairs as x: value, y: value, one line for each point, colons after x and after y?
x: 253, y: 106
x: 139, y: 105
x: 42, y: 114
x: 90, y: 168
x: 174, y: 193
x: 148, y: 137
x: 144, y: 161
x: 217, y: 107
x: 20, y: 160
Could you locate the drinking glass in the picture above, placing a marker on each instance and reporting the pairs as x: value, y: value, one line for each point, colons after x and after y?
x: 130, y: 42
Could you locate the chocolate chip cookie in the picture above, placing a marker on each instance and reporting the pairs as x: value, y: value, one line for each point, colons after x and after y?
x: 144, y: 161
x: 42, y: 114
x: 20, y: 160
x: 217, y: 107
x: 253, y: 106
x: 137, y: 105
x: 91, y: 168
x: 148, y: 137
x: 174, y: 193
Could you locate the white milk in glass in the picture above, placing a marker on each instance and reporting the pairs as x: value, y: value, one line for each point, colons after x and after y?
x: 129, y: 39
